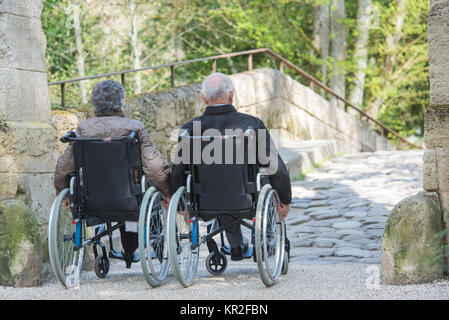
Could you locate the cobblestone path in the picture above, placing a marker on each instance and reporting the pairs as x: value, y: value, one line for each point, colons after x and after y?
x: 339, y: 210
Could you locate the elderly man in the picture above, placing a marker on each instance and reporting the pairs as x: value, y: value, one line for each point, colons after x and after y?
x: 109, y: 121
x: 220, y: 114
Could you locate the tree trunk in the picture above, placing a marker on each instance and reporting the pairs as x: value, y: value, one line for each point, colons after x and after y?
x: 79, y: 50
x: 321, y: 36
x: 361, y: 51
x: 392, y: 40
x: 135, y: 46
x: 338, y: 51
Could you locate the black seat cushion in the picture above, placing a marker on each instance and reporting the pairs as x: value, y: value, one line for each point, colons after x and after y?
x: 223, y: 190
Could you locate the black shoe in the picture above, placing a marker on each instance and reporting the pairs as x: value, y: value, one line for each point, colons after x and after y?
x: 242, y: 252
x: 236, y: 254
x: 130, y: 258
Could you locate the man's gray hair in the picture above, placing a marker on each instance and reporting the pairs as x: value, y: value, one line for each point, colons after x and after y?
x: 107, y: 98
x: 216, y: 85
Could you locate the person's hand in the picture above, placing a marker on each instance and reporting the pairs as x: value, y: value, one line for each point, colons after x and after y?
x: 186, y: 215
x: 66, y: 204
x: 166, y: 202
x: 283, y: 210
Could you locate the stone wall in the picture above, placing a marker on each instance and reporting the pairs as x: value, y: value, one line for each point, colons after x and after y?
x: 436, y: 129
x: 27, y: 135
x: 281, y: 102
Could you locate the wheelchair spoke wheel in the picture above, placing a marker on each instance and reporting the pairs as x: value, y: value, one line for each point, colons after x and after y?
x: 270, y: 237
x: 152, y: 238
x: 183, y: 259
x: 65, y: 260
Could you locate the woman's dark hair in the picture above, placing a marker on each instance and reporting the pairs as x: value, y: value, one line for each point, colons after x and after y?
x: 107, y: 98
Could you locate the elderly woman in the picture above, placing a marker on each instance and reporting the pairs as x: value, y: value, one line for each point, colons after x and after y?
x: 109, y: 121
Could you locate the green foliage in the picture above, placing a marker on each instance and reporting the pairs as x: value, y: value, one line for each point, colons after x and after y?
x: 171, y: 30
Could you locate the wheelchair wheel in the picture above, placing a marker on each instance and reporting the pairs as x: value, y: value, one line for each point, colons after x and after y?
x: 285, y: 264
x: 183, y: 260
x: 269, y: 236
x: 65, y: 261
x: 101, y: 266
x: 152, y: 239
x: 216, y: 263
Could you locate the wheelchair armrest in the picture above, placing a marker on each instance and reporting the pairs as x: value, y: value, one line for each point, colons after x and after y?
x: 72, y: 183
x: 259, y: 178
x: 143, y: 183
x: 189, y: 184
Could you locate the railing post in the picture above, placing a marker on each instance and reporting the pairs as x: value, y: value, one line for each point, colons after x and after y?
x: 172, y: 70
x: 122, y: 76
x: 312, y: 85
x: 214, y: 66
x: 250, y: 62
x: 63, y: 95
x: 281, y: 67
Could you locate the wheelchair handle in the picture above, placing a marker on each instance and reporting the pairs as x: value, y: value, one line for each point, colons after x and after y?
x: 70, y: 136
x: 248, y: 131
x: 132, y: 135
x: 185, y: 134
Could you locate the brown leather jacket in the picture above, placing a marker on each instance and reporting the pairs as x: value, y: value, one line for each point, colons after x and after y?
x: 154, y: 165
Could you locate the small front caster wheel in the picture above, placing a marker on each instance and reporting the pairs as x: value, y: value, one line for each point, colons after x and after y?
x: 216, y: 263
x: 101, y: 266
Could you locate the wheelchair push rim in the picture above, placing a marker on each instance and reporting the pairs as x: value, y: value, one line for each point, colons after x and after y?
x: 152, y: 238
x: 270, y: 237
x: 183, y: 259
x: 65, y: 261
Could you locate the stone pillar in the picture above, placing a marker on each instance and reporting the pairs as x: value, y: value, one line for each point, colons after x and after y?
x: 27, y: 135
x: 420, y: 258
x: 436, y: 124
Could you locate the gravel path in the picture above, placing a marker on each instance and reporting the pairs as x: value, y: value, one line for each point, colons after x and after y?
x: 240, y: 282
x: 335, y: 228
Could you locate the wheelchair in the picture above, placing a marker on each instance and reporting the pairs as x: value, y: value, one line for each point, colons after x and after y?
x: 240, y: 191
x: 107, y: 187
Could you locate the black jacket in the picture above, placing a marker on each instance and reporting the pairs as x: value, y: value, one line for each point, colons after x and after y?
x: 223, y: 117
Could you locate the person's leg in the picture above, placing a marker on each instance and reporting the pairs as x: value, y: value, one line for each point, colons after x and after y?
x: 130, y: 244
x: 240, y: 248
x: 233, y: 232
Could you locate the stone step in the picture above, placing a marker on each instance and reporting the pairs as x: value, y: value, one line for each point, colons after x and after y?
x: 301, y: 156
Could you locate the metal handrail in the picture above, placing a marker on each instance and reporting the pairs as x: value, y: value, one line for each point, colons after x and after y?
x: 249, y: 53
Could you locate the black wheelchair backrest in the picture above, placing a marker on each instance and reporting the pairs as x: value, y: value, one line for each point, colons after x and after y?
x: 108, y: 172
x: 223, y: 188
